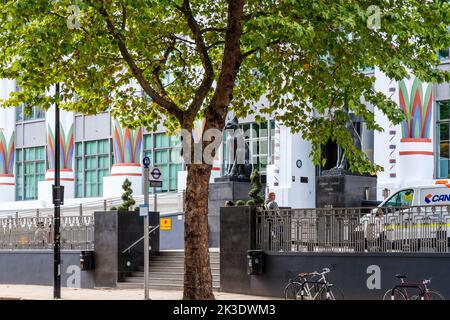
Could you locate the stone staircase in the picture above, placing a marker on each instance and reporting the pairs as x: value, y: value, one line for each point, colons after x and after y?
x: 166, y: 271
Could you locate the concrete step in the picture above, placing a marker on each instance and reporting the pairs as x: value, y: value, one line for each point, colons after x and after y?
x: 131, y: 285
x: 174, y: 269
x: 176, y: 264
x: 137, y: 278
x: 168, y: 275
x: 164, y: 257
x: 162, y: 281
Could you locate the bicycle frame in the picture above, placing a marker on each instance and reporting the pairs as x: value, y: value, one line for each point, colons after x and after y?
x: 405, y: 292
x: 423, y: 288
x: 305, y: 285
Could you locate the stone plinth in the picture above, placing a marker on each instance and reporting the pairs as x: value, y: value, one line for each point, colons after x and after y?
x: 342, y: 191
x: 219, y: 193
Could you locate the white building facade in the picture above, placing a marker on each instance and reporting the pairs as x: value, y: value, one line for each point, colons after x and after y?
x: 97, y: 153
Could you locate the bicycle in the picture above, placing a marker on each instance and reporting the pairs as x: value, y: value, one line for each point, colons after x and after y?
x: 306, y: 289
x: 400, y: 292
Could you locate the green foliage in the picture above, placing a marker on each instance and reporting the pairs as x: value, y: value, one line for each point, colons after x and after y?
x: 251, y: 203
x: 127, y: 196
x: 301, y: 60
x: 304, y: 57
x: 255, y: 191
x: 113, y: 208
x: 240, y: 203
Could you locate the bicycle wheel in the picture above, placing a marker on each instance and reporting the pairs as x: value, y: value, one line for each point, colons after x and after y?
x: 431, y: 295
x: 333, y: 293
x: 398, y: 295
x: 292, y: 291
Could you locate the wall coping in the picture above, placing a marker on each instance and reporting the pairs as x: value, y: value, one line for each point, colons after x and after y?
x: 361, y: 254
x: 39, y: 251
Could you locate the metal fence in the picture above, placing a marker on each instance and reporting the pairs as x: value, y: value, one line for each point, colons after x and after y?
x: 167, y: 202
x: 77, y: 232
x: 387, y: 229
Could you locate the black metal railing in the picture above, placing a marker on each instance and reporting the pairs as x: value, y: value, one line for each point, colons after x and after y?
x: 77, y: 232
x: 384, y: 229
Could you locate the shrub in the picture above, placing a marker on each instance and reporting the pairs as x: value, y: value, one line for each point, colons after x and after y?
x: 127, y: 196
x: 240, y: 203
x: 251, y: 203
x: 255, y: 191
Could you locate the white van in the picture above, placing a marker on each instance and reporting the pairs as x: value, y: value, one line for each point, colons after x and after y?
x: 420, y: 212
x: 437, y: 193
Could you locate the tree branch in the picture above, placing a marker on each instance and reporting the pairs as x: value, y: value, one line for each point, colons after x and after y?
x: 208, y: 77
x: 252, y: 51
x: 163, y: 101
x: 124, y: 16
x: 213, y: 29
x: 231, y: 62
x: 157, y: 70
x: 215, y: 44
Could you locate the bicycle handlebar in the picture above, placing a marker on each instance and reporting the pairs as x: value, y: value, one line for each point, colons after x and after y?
x: 324, y: 271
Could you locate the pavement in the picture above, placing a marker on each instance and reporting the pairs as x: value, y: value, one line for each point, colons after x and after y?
x: 32, y: 292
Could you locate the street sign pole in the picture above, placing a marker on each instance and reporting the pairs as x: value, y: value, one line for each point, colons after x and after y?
x: 146, y: 240
x: 57, y: 213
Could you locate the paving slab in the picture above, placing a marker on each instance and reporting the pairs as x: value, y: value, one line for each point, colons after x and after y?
x: 32, y: 292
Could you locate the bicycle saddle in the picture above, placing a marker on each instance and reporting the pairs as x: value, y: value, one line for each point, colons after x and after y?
x: 303, y: 274
x: 400, y: 276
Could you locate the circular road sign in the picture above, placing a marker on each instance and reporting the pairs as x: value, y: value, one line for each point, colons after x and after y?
x: 146, y: 161
x: 156, y: 173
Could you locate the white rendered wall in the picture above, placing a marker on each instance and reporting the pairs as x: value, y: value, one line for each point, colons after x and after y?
x: 112, y: 186
x: 406, y: 161
x: 290, y: 191
x: 7, y: 129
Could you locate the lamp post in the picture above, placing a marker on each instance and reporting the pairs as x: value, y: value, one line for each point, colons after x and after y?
x: 57, y: 199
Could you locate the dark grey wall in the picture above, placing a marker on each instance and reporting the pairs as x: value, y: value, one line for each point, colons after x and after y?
x: 351, y: 272
x: 35, y: 267
x: 106, y: 242
x: 236, y: 237
x: 115, y: 232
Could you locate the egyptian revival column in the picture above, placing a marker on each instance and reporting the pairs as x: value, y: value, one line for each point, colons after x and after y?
x: 7, y: 145
x: 127, y: 145
x: 67, y: 145
x: 416, y: 155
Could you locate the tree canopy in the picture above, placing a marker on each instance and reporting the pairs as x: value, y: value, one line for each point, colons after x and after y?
x: 304, y: 57
x: 298, y: 60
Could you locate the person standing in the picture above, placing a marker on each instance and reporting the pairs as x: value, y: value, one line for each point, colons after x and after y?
x: 270, y: 203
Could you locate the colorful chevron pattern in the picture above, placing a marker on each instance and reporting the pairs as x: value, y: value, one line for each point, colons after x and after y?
x: 6, y: 154
x: 417, y: 107
x: 127, y: 144
x: 66, y: 142
x: 197, y: 131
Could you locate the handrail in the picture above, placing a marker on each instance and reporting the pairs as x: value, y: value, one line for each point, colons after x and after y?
x: 140, y: 239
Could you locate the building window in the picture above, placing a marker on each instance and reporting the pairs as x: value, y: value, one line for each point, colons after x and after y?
x: 260, y: 139
x: 92, y: 163
x: 443, y: 139
x: 30, y: 169
x: 35, y: 114
x: 166, y: 154
x: 79, y: 170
